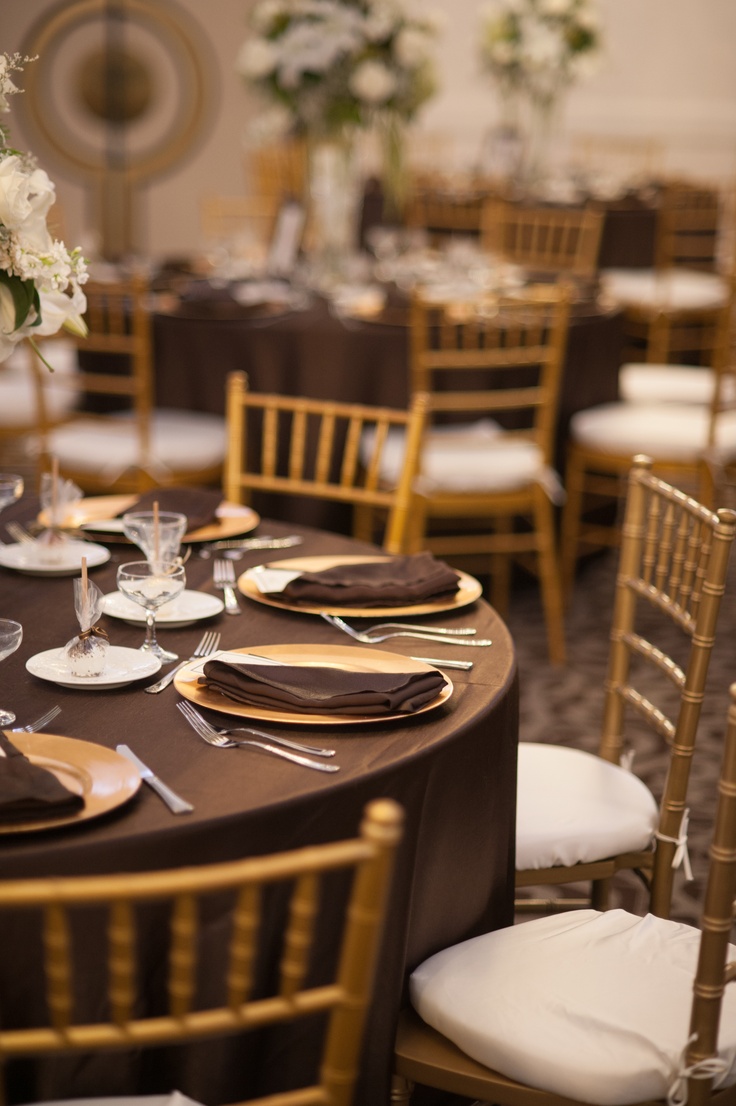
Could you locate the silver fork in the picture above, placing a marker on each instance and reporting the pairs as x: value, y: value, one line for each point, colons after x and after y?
x: 234, y: 548
x: 227, y: 731
x: 223, y: 577
x: 467, y: 631
x: 210, y: 643
x: 376, y: 639
x: 39, y: 724
x: 219, y: 741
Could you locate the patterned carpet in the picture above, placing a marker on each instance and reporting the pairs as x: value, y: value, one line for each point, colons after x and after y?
x: 564, y: 705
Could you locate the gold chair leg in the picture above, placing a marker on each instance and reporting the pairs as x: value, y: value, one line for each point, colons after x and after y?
x: 549, y: 579
x: 401, y: 1091
x: 571, y: 522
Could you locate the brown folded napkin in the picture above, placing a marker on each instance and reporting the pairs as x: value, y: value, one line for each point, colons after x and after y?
x: 28, y: 791
x: 198, y: 504
x: 322, y: 690
x: 417, y: 578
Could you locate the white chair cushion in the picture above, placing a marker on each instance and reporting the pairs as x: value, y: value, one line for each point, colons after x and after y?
x: 591, y: 1005
x: 181, y: 441
x: 18, y: 406
x: 572, y: 807
x: 672, y: 289
x: 467, y: 457
x: 674, y: 431
x: 649, y: 383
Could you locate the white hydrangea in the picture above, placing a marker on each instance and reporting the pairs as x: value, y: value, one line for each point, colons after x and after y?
x: 373, y: 82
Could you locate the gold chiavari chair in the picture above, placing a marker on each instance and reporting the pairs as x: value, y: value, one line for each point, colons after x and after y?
x: 679, y: 415
x: 600, y: 1008
x: 558, y: 240
x: 584, y: 817
x: 68, y: 907
x: 295, y: 446
x: 486, y: 488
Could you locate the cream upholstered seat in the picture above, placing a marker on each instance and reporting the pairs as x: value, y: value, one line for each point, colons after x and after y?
x: 486, y: 486
x: 608, y: 1009
x: 680, y: 415
x: 21, y: 399
x: 135, y: 446
x: 582, y: 816
x: 116, y: 913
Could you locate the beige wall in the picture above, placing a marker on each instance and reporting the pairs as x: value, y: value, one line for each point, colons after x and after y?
x: 668, y: 72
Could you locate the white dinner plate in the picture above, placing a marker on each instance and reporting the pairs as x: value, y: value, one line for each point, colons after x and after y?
x: 26, y: 557
x: 188, y: 607
x: 122, y: 666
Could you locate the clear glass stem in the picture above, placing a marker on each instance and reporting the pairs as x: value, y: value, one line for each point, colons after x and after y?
x: 150, y: 642
x: 6, y: 718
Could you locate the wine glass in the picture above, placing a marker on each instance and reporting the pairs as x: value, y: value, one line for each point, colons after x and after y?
x: 11, y: 488
x: 152, y: 585
x: 140, y: 528
x: 11, y: 635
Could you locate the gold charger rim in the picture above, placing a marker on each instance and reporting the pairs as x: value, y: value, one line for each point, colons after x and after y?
x: 469, y: 590
x: 103, y: 507
x: 344, y: 656
x: 104, y: 778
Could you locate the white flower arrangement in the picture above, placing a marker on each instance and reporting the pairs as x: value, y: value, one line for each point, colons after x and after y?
x: 40, y: 279
x: 333, y: 64
x: 537, y: 48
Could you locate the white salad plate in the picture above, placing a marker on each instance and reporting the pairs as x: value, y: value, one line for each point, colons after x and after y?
x: 30, y: 558
x: 188, y: 607
x: 122, y: 666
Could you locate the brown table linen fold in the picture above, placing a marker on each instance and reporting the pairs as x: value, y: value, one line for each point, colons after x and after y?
x: 414, y: 578
x: 198, y: 504
x: 305, y: 689
x: 28, y: 791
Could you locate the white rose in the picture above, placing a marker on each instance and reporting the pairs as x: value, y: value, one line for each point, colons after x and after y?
x: 42, y: 195
x: 266, y: 13
x: 256, y: 59
x: 15, y: 205
x: 555, y: 7
x: 411, y: 47
x: 372, y: 82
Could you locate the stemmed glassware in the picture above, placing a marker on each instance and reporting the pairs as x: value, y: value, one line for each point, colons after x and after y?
x: 11, y: 635
x: 157, y: 535
x: 11, y: 488
x: 151, y: 585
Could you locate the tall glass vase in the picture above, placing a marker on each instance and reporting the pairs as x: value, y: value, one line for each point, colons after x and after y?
x: 541, y: 130
x: 333, y: 203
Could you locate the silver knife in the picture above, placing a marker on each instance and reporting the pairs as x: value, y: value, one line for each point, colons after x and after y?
x: 173, y: 801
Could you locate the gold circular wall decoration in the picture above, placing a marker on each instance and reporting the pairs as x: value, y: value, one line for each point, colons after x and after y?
x: 121, y: 92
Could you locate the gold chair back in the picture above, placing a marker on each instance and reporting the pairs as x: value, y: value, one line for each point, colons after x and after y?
x: 341, y: 1000
x: 501, y: 360
x: 292, y: 445
x: 688, y: 226
x: 673, y: 561
x: 546, y: 239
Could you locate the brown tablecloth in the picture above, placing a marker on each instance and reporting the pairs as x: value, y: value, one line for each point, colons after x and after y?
x: 453, y: 769
x: 313, y: 353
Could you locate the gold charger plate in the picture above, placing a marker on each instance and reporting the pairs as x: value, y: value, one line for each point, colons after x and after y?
x: 469, y: 589
x: 349, y: 658
x: 101, y: 776
x: 102, y: 508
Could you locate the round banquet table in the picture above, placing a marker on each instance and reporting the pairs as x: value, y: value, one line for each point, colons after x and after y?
x: 452, y: 768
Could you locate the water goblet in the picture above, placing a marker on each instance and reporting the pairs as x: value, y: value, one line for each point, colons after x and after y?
x: 11, y: 635
x: 140, y: 528
x: 11, y: 488
x: 151, y: 585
